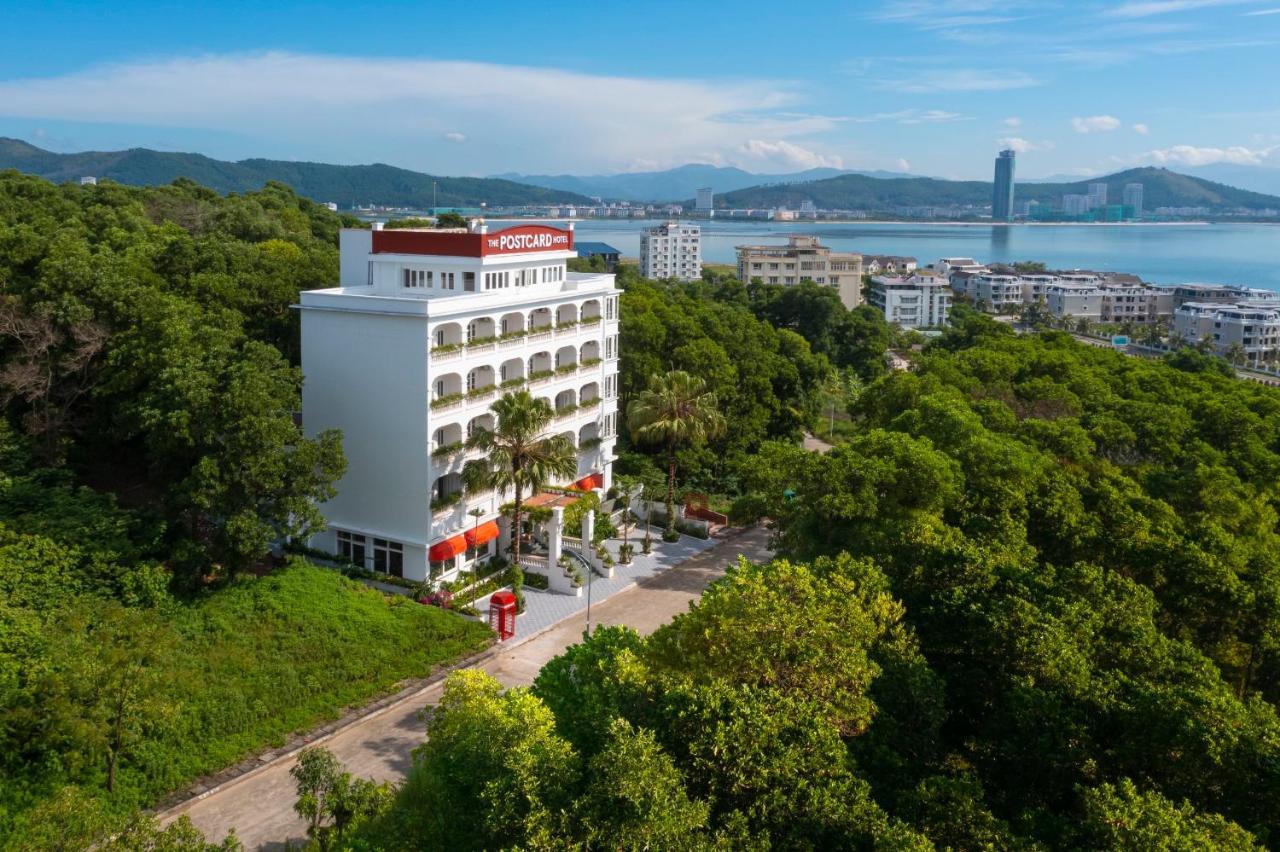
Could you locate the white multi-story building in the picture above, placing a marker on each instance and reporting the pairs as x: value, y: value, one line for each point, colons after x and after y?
x: 803, y: 258
x: 1074, y: 300
x: 704, y: 200
x: 1131, y: 196
x: 408, y: 353
x: 921, y: 301
x: 1000, y: 293
x: 671, y: 250
x: 947, y: 265
x: 1254, y: 326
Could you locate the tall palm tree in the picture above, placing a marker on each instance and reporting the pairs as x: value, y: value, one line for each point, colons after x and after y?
x: 676, y: 410
x: 520, y: 454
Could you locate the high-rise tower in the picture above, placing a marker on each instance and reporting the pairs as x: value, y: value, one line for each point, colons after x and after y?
x: 1002, y: 198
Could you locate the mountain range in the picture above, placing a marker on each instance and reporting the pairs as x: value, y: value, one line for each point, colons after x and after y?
x: 1161, y: 188
x: 347, y: 186
x: 680, y: 182
x: 381, y: 184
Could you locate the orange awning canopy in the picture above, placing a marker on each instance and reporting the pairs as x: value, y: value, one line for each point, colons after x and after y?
x: 482, y: 533
x: 447, y: 549
x: 594, y: 480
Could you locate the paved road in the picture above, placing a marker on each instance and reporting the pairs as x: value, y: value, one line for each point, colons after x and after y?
x: 260, y: 807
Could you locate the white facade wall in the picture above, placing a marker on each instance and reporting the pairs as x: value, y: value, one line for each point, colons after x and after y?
x: 916, y: 302
x: 1075, y: 301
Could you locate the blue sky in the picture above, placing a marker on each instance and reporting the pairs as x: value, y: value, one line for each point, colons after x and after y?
x: 930, y: 86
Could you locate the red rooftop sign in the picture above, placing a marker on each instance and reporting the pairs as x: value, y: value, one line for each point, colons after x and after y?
x: 521, y: 239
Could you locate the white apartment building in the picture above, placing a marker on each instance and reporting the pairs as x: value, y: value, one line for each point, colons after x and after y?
x: 1254, y: 326
x: 1000, y: 293
x: 921, y: 301
x: 407, y: 354
x: 1075, y: 300
x: 671, y: 250
x: 947, y: 265
x: 1035, y: 287
x: 1135, y: 303
x: 705, y: 200
x: 892, y: 265
x: 803, y: 258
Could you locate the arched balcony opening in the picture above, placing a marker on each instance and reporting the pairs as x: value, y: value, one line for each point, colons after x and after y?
x: 483, y: 422
x: 447, y: 386
x: 480, y: 379
x: 511, y: 373
x: 540, y: 365
x: 540, y: 320
x: 590, y: 310
x: 566, y: 400
x: 447, y: 334
x: 512, y: 324
x: 480, y: 330
x: 571, y: 438
x: 567, y: 314
x: 590, y: 351
x: 589, y: 393
x: 589, y: 436
x: 567, y: 358
x: 446, y: 438
x: 446, y: 492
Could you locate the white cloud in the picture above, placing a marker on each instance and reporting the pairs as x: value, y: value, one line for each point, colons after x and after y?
x: 903, y: 165
x: 454, y: 136
x: 1191, y: 155
x: 1148, y: 8
x: 1141, y: 129
x: 1262, y: 12
x: 1013, y: 121
x: 911, y: 116
x: 782, y: 154
x: 1095, y: 124
x: 957, y: 80
x: 1018, y: 144
x: 323, y: 106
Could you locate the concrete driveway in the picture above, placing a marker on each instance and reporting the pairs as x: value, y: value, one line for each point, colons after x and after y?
x: 260, y: 805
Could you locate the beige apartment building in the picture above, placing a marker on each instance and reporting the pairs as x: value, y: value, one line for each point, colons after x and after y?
x: 804, y: 258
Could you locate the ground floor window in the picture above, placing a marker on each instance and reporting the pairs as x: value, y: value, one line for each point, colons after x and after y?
x: 480, y: 552
x: 388, y: 557
x: 440, y: 567
x: 351, y: 547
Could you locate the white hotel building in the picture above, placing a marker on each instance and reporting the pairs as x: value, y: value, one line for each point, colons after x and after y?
x: 406, y: 355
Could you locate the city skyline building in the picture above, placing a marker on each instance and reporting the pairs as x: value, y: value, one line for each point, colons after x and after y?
x: 1131, y: 197
x: 1002, y: 191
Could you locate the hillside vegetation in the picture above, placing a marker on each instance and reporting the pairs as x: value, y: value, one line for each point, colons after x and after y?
x: 1161, y: 187
x: 346, y: 186
x: 1032, y: 604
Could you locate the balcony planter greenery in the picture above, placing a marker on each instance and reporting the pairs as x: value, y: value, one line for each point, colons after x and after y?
x: 512, y: 383
x: 590, y: 320
x: 447, y: 399
x: 590, y: 362
x: 475, y: 392
x: 566, y: 324
x: 445, y: 348
x: 566, y: 410
x: 565, y: 369
x: 482, y: 341
x: 591, y: 443
x: 446, y: 501
x: 512, y: 335
x: 446, y: 450
x: 538, y: 375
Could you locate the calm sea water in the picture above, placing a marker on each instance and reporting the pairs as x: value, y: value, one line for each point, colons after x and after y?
x: 1244, y: 254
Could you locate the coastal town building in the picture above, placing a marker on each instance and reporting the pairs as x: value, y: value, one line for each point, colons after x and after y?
x: 998, y: 293
x: 1131, y: 196
x: 1002, y: 190
x: 920, y: 301
x: 803, y: 258
x: 1250, y: 328
x: 671, y: 250
x: 705, y: 200
x: 1074, y: 300
x: 888, y: 264
x: 425, y: 329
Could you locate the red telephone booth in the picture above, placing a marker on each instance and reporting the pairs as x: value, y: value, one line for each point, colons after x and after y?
x: 502, y: 614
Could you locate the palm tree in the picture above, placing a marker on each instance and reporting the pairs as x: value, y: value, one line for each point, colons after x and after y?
x: 520, y: 454
x: 675, y: 410
x: 627, y: 488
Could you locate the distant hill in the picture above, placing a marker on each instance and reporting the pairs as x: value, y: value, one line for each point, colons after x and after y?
x: 672, y: 184
x: 1161, y: 188
x: 1254, y: 178
x: 344, y: 185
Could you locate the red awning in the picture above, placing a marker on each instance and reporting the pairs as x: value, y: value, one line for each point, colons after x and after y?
x: 481, y: 534
x: 586, y: 483
x: 447, y: 549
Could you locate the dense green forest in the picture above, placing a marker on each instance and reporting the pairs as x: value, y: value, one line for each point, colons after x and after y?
x: 345, y: 186
x: 1162, y: 188
x: 1033, y: 603
x: 148, y: 456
